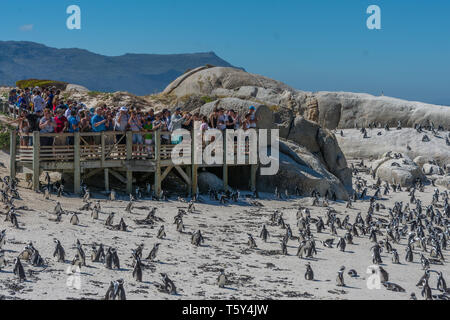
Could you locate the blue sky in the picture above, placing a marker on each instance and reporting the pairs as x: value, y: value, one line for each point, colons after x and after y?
x: 309, y: 44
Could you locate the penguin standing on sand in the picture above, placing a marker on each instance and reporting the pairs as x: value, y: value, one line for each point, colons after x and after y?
x: 59, y: 252
x: 409, y: 254
x: 395, y: 257
x: 168, y: 284
x: 98, y: 254
x: 341, y: 244
x: 309, y: 274
x: 161, y: 233
x: 153, y: 252
x: 264, y: 233
x: 340, y: 277
x: 18, y: 270
x: 251, y: 241
x: 222, y: 279
x: 426, y: 291
x: 441, y: 284
x: 137, y: 271
x: 116, y: 291
x: 74, y: 220
x: 110, y: 219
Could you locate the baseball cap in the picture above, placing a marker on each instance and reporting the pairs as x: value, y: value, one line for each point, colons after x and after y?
x: 124, y: 109
x: 252, y: 108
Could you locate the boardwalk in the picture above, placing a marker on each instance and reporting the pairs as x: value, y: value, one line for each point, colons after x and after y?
x: 94, y: 153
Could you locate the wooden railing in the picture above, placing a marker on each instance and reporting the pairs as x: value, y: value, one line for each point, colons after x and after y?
x: 113, y: 146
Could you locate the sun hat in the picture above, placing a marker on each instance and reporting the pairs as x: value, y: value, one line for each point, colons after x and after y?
x: 124, y: 109
x: 252, y: 108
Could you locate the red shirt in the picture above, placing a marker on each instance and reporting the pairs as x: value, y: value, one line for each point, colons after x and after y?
x: 60, y: 123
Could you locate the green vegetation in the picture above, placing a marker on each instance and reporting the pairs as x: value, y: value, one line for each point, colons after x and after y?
x: 31, y: 83
x: 4, y: 136
x: 207, y: 99
x: 94, y: 93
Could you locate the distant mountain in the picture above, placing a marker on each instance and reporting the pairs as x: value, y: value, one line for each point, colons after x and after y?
x: 140, y: 74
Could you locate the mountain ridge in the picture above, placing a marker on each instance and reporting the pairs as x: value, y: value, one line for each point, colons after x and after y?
x: 138, y: 73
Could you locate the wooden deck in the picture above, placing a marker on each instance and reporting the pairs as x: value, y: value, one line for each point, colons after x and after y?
x: 94, y: 153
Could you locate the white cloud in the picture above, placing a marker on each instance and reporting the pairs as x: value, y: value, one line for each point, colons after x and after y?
x: 26, y: 27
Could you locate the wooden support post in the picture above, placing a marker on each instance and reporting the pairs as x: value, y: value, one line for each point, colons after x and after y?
x: 129, y: 135
x: 225, y: 166
x: 106, y: 179
x: 12, y: 153
x: 189, y: 175
x: 253, y: 169
x: 194, y: 167
x: 158, y: 179
x: 102, y: 141
x: 36, y: 160
x: 76, y: 164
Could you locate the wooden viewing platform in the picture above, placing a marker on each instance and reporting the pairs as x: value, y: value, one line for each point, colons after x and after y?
x: 85, y: 159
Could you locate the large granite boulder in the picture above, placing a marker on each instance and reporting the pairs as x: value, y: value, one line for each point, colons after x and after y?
x: 401, y: 171
x: 300, y: 168
x: 406, y: 141
x: 209, y: 181
x: 323, y: 144
x: 345, y: 110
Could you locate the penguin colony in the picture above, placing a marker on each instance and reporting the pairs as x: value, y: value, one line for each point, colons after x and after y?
x: 414, y: 232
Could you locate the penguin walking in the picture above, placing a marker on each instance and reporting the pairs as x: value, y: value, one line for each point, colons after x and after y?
x: 153, y: 252
x: 197, y: 239
x: 441, y: 284
x: 110, y: 219
x: 18, y: 270
x: 264, y: 233
x: 59, y: 253
x: 168, y: 284
x: 80, y: 257
x: 341, y: 244
x: 251, y: 241
x: 309, y: 274
x: 137, y: 271
x: 222, y: 279
x: 340, y: 277
x: 161, y: 233
x: 426, y: 291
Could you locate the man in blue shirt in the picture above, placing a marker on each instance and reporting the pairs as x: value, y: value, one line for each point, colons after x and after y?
x: 98, y: 123
x: 73, y: 126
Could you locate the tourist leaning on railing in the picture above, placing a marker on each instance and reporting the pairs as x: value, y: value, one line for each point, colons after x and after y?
x: 47, y: 125
x: 72, y: 127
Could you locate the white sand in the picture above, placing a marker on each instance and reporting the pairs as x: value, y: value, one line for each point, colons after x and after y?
x: 253, y: 274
